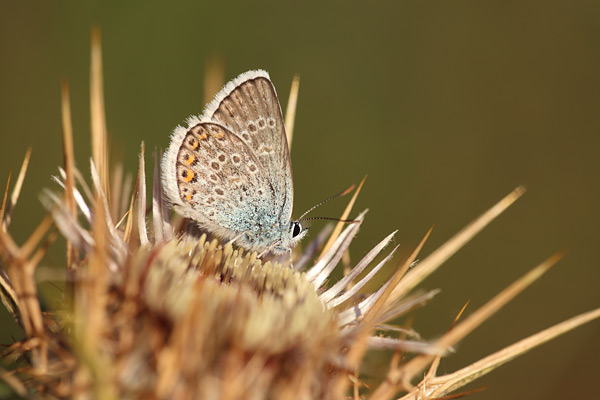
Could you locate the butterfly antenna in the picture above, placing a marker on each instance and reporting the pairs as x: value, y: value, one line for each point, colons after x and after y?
x: 345, y: 192
x: 349, y: 221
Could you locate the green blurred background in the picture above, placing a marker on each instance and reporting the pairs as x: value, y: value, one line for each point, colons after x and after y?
x: 445, y: 105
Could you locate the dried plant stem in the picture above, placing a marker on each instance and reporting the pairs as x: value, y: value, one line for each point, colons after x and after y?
x: 20, y: 270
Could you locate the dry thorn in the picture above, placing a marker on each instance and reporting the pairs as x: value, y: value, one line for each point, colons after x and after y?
x: 457, y: 379
x: 97, y: 112
x: 387, y: 298
x: 440, y: 255
x: 116, y: 190
x: 69, y: 155
x: 436, y: 361
x: 41, y: 251
x: 141, y: 215
x: 369, y: 320
x: 460, y: 395
x: 460, y: 313
x: 214, y: 77
x: 13, y: 382
x: 9, y: 297
x: 34, y: 240
x: 157, y: 202
x: 401, y: 378
x: 3, y: 207
x: 8, y: 246
x: 17, y: 189
x: 118, y: 225
x: 290, y: 112
x: 130, y: 214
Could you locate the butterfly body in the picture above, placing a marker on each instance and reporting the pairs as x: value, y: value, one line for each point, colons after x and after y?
x: 230, y: 170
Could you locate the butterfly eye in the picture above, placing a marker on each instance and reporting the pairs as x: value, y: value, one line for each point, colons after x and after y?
x: 296, y: 229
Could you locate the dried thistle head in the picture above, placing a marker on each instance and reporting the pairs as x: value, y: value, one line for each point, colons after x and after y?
x: 153, y: 309
x: 215, y: 322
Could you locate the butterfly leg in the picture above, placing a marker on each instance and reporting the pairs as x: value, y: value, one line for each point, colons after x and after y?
x: 268, y: 249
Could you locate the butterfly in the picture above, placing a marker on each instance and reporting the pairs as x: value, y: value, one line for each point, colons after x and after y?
x: 230, y: 170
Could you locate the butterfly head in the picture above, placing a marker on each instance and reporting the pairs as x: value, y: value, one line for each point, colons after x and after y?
x: 297, y: 232
x: 294, y: 233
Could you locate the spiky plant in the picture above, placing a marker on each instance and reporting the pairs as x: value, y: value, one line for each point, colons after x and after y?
x: 162, y: 311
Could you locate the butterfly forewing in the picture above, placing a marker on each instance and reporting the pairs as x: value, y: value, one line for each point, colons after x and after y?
x: 252, y: 111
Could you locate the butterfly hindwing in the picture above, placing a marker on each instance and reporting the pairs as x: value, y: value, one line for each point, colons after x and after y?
x: 220, y: 183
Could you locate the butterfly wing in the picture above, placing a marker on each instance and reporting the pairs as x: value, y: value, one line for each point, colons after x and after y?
x: 211, y: 176
x: 248, y: 105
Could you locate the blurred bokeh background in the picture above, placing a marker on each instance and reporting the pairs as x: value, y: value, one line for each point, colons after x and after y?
x: 446, y: 106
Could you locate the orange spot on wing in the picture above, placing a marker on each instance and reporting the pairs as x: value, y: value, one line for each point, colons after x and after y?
x: 203, y: 136
x: 188, y: 197
x: 219, y: 135
x: 189, y: 176
x: 190, y: 159
x: 195, y: 144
